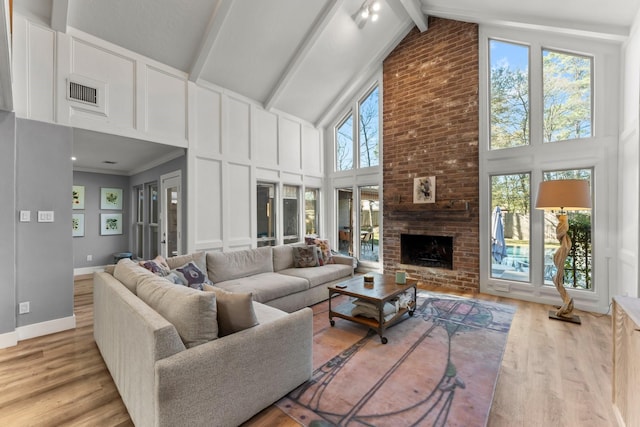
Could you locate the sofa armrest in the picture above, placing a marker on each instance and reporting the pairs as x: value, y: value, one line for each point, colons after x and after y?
x: 228, y: 380
x: 131, y: 337
x: 345, y: 259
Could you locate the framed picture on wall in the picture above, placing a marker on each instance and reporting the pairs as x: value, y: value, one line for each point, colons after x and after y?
x: 110, y: 224
x: 111, y: 198
x: 424, y: 189
x: 77, y: 221
x: 78, y: 197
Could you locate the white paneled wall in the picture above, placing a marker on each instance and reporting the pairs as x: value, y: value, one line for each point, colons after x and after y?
x: 138, y: 97
x: 232, y: 141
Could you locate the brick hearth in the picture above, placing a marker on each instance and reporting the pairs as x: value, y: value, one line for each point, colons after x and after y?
x: 430, y: 118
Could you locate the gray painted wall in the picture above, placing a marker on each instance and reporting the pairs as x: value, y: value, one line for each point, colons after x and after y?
x: 44, y: 252
x: 8, y: 216
x: 101, y: 248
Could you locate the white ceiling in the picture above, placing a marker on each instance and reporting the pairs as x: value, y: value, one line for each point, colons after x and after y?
x: 305, y: 58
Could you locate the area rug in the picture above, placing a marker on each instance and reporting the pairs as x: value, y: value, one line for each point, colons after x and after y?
x: 439, y: 367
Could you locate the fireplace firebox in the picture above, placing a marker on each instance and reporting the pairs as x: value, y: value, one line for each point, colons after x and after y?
x: 427, y: 251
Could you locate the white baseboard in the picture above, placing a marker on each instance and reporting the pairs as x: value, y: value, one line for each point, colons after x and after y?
x: 46, y: 328
x: 87, y: 270
x: 9, y: 339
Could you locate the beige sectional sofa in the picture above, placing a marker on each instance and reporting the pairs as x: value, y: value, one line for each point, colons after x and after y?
x: 158, y: 339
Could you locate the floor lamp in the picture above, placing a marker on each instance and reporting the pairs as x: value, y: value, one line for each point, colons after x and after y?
x: 561, y: 196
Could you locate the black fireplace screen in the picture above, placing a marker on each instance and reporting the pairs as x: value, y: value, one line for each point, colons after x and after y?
x: 427, y: 251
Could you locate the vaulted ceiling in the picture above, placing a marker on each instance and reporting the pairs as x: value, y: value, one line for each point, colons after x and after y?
x: 305, y: 58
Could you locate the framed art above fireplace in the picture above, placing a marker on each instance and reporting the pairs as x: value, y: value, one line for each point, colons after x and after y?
x: 424, y: 189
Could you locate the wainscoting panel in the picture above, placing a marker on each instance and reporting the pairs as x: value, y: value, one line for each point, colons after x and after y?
x: 33, y: 70
x: 236, y: 144
x: 290, y: 158
x: 311, y: 151
x: 166, y: 104
x: 206, y: 136
x: 264, y: 137
x: 238, y: 202
x: 208, y: 207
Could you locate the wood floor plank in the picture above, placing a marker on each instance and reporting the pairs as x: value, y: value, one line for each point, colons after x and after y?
x: 553, y: 374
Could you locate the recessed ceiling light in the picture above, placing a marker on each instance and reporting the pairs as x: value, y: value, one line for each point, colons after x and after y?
x: 74, y: 158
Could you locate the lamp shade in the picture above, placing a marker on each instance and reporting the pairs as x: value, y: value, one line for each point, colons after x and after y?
x: 564, y: 194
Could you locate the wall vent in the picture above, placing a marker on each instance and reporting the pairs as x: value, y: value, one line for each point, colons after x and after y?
x: 83, y: 93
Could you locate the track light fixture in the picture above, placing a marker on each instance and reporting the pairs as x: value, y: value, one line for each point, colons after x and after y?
x: 367, y: 12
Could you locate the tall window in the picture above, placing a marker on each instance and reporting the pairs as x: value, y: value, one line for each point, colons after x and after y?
x: 510, y: 226
x: 366, y: 146
x: 540, y: 100
x: 291, y: 213
x: 153, y: 219
x: 368, y: 127
x: 567, y: 96
x: 311, y: 213
x: 369, y: 223
x: 139, y: 221
x: 344, y: 144
x: 266, y: 214
x: 345, y: 220
x: 577, y: 268
x: 509, y: 94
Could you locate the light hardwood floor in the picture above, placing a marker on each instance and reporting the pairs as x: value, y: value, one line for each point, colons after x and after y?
x: 553, y: 374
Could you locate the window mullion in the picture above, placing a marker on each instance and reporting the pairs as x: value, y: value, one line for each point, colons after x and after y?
x: 535, y: 95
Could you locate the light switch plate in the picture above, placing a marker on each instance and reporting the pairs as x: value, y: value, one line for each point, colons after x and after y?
x: 45, y: 216
x: 25, y: 216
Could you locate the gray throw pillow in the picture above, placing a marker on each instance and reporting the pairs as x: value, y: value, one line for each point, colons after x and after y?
x: 305, y: 256
x: 193, y: 313
x: 235, y: 310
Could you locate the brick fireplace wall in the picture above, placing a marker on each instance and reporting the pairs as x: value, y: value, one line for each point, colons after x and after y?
x: 430, y: 116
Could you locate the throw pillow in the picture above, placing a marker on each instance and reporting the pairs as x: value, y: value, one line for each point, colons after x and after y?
x: 305, y: 256
x: 157, y: 266
x: 190, y: 275
x: 235, y: 310
x: 192, y: 313
x: 178, y: 261
x: 323, y: 244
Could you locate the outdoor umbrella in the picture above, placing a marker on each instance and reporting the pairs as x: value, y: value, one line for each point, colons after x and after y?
x: 498, y: 245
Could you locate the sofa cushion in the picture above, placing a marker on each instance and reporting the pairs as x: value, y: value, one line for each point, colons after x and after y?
x: 282, y: 257
x: 305, y: 256
x: 180, y: 260
x: 223, y: 266
x: 193, y: 313
x: 319, y: 275
x: 130, y: 273
x: 235, y: 310
x: 266, y: 286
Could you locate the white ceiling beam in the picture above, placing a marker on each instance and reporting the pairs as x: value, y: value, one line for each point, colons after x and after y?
x: 303, y: 50
x: 414, y: 10
x: 208, y: 40
x: 6, y: 91
x: 618, y: 33
x: 60, y: 15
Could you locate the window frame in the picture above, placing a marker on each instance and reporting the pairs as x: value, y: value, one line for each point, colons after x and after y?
x: 598, y: 153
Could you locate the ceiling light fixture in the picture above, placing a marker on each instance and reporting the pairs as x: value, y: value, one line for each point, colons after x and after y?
x: 368, y: 11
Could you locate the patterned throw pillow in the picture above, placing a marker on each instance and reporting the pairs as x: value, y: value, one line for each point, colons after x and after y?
x: 157, y: 266
x: 325, y: 249
x: 305, y: 256
x: 190, y: 275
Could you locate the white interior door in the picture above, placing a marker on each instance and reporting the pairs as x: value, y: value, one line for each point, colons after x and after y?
x: 171, y: 202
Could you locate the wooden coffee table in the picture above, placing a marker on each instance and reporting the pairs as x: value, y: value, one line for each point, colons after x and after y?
x: 383, y: 290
